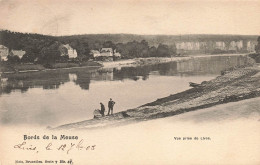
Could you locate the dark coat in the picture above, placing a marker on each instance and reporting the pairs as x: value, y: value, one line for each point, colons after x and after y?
x: 111, y: 104
x: 102, y: 108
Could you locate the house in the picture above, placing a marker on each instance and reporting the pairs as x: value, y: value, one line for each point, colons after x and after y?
x: 3, y: 53
x: 117, y: 54
x: 18, y: 53
x: 95, y: 53
x: 106, y: 52
x: 72, y: 53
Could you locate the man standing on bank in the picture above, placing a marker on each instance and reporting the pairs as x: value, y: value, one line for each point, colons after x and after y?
x: 102, y: 110
x: 111, y: 104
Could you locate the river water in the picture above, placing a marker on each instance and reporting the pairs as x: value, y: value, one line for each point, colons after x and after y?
x: 58, y: 97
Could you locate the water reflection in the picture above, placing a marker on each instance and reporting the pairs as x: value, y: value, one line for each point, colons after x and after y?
x: 82, y: 77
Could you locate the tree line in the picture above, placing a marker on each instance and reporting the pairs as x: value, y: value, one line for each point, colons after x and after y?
x: 48, y: 49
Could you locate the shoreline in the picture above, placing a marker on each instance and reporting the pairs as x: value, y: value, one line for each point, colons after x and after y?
x: 233, y: 86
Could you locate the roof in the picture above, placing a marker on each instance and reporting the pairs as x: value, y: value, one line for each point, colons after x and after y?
x: 106, y: 50
x: 67, y: 46
x: 94, y: 51
x: 19, y: 53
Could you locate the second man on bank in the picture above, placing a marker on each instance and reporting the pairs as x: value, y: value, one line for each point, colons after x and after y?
x: 111, y: 104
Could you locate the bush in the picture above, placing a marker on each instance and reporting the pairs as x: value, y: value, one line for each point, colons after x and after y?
x: 256, y: 57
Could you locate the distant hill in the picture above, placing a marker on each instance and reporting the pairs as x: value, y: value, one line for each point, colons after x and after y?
x: 155, y: 40
x: 17, y: 40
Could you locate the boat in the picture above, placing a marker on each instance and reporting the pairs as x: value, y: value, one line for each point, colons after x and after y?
x: 192, y: 84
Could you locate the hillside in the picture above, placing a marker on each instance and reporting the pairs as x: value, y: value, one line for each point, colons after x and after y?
x: 154, y: 40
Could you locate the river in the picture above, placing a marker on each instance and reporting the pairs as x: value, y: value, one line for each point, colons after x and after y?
x: 56, y: 97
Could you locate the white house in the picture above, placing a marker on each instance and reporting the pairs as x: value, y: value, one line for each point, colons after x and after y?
x: 72, y: 53
x: 95, y: 53
x: 3, y: 53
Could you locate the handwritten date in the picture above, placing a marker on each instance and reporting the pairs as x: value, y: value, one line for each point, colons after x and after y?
x: 65, y: 147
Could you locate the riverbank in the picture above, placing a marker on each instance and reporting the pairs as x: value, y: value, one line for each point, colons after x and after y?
x: 235, y: 85
x: 21, y: 68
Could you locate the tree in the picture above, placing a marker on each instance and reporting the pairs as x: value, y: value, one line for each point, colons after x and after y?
x: 13, y: 59
x: 30, y: 55
x: 172, y: 49
x: 152, y: 51
x: 109, y: 44
x: 50, y: 54
x: 82, y: 48
x: 163, y: 51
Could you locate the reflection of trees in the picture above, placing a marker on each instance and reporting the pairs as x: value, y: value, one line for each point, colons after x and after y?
x: 24, y: 81
x: 169, y: 69
x: 135, y: 73
x: 132, y: 73
x: 46, y: 80
x: 83, y: 79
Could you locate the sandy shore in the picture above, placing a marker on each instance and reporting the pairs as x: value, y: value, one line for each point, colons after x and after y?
x: 236, y: 85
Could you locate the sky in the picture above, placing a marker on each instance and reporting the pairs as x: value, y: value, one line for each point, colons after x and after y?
x: 69, y: 17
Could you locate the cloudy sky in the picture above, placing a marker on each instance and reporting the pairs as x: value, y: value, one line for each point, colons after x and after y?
x: 67, y: 17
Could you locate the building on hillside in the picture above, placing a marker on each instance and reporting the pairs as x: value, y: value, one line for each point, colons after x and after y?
x: 72, y: 53
x: 95, y: 53
x: 117, y: 55
x: 106, y: 52
x: 3, y: 53
x: 18, y: 53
